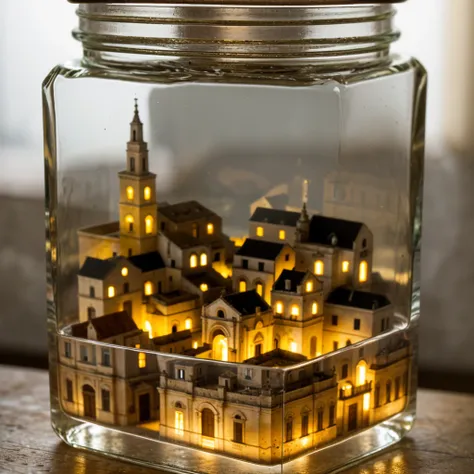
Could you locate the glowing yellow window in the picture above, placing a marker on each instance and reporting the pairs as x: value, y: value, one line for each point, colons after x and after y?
x: 188, y: 324
x: 179, y: 422
x: 147, y: 193
x: 111, y: 291
x: 259, y: 288
x: 193, y: 261
x: 203, y: 260
x: 295, y: 310
x: 309, y: 286
x: 210, y: 228
x: 148, y: 225
x: 366, y: 402
x: 361, y: 374
x: 195, y: 345
x: 204, y: 287
x: 314, y: 308
x: 148, y: 288
x: 130, y: 193
x: 279, y: 308
x: 129, y: 222
x: 148, y: 328
x: 363, y: 271
x: 293, y: 346
x: 124, y: 271
x: 141, y: 360
x: 260, y: 231
x: 319, y: 267
x: 242, y: 286
x: 345, y: 266
x: 282, y: 235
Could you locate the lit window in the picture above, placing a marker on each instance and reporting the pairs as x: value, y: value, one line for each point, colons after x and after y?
x: 188, y: 324
x: 361, y: 374
x: 210, y: 228
x: 111, y: 291
x: 319, y: 267
x: 293, y: 346
x: 124, y: 271
x: 148, y: 225
x: 282, y: 235
x: 345, y: 266
x: 295, y: 310
x: 242, y: 286
x: 309, y: 286
x: 129, y: 222
x: 130, y: 193
x: 259, y: 288
x: 279, y: 308
x: 260, y: 231
x: 147, y: 193
x: 148, y: 288
x: 204, y: 287
x: 179, y: 422
x: 193, y: 261
x: 141, y: 360
x: 195, y: 345
x: 314, y: 308
x: 366, y: 401
x: 148, y: 328
x: 363, y: 271
x: 203, y: 260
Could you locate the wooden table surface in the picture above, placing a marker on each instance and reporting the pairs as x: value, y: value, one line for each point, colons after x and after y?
x: 442, y: 441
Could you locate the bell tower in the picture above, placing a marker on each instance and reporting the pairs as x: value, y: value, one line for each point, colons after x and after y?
x: 138, y: 207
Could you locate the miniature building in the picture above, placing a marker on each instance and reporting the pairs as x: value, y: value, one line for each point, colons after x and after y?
x: 273, y: 225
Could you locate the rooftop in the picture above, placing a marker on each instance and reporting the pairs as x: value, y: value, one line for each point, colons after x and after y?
x: 357, y: 299
x: 185, y: 211
x: 211, y: 278
x: 275, y: 216
x: 333, y: 232
x: 96, y: 268
x: 198, y: 350
x: 276, y: 358
x: 110, y: 228
x: 107, y: 326
x: 294, y: 277
x: 173, y: 337
x: 147, y: 262
x: 260, y: 249
x: 174, y: 297
x: 247, y: 302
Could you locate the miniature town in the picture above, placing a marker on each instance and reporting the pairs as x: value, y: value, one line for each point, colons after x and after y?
x: 166, y: 280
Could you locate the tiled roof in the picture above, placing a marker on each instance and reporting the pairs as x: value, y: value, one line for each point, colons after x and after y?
x: 183, y: 240
x: 357, y: 299
x: 276, y: 358
x: 211, y: 278
x: 275, y: 216
x: 173, y: 337
x: 334, y: 232
x: 294, y: 277
x: 185, y: 211
x: 147, y: 262
x: 96, y: 268
x: 107, y: 326
x: 260, y: 249
x: 246, y: 302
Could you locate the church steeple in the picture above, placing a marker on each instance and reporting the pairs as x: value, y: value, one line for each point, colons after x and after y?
x: 137, y: 151
x: 302, y: 226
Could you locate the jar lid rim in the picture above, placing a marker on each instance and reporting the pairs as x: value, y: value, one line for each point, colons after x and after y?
x: 249, y: 2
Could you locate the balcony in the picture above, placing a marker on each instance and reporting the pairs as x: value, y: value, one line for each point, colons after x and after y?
x: 351, y: 391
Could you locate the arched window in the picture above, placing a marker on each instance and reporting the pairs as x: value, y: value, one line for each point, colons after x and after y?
x: 147, y: 193
x: 134, y: 133
x: 195, y: 230
x: 289, y: 429
x: 309, y: 286
x: 220, y: 314
x: 238, y: 429
x: 132, y: 160
x: 90, y: 312
x: 319, y: 267
x: 148, y: 328
x: 124, y: 271
x: 188, y: 324
x: 377, y: 396
x: 345, y: 266
x: 276, y: 343
x: 207, y: 423
x: 148, y: 224
x: 203, y: 260
x: 130, y: 193
x: 204, y: 287
x: 364, y: 243
x: 348, y: 342
x: 148, y: 288
x: 259, y: 288
x: 193, y: 261
x: 363, y: 271
x: 179, y: 422
x: 361, y: 373
x: 174, y: 329
x: 279, y: 307
x: 242, y: 286
x: 129, y: 222
x: 111, y: 291
x: 144, y: 166
x: 295, y: 310
x: 314, y: 308
x: 388, y: 392
x: 313, y: 344
x: 210, y: 228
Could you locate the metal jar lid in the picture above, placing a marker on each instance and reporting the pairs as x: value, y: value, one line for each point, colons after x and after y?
x: 249, y: 2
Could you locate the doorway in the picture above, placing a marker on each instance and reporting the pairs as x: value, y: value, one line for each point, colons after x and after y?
x: 144, y: 407
x: 88, y: 396
x: 207, y: 423
x: 352, y: 419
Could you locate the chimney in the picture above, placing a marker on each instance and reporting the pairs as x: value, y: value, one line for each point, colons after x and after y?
x: 257, y: 310
x: 287, y: 285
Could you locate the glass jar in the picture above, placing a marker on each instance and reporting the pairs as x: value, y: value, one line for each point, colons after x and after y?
x: 233, y: 225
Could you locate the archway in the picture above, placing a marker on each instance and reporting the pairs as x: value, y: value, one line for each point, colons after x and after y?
x: 207, y: 423
x: 88, y: 396
x: 220, y: 347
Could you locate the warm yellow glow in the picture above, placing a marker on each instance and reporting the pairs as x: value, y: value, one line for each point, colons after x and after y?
x: 124, y: 271
x: 111, y: 291
x: 148, y: 225
x: 314, y: 308
x: 366, y: 401
x: 345, y: 266
x: 260, y: 231
x: 293, y: 346
x: 279, y: 307
x: 363, y: 271
x: 188, y: 324
x: 224, y: 349
x: 208, y: 443
x: 282, y: 235
x: 210, y: 228
x: 347, y: 386
x: 195, y: 345
x: 361, y: 374
x: 204, y: 287
x: 242, y: 286
x: 222, y: 268
x: 129, y: 220
x: 148, y: 328
x: 319, y: 267
x: 193, y: 261
x: 309, y: 286
x: 295, y: 310
x: 130, y: 193
x: 179, y: 422
x: 304, y: 441
x: 148, y: 288
x: 147, y: 193
x: 141, y: 360
x: 259, y: 288
x: 203, y: 259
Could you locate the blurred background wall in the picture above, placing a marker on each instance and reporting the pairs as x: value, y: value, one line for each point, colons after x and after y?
x: 34, y: 36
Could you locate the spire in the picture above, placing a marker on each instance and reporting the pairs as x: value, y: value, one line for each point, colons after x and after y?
x: 136, y: 116
x: 136, y: 126
x: 302, y: 226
